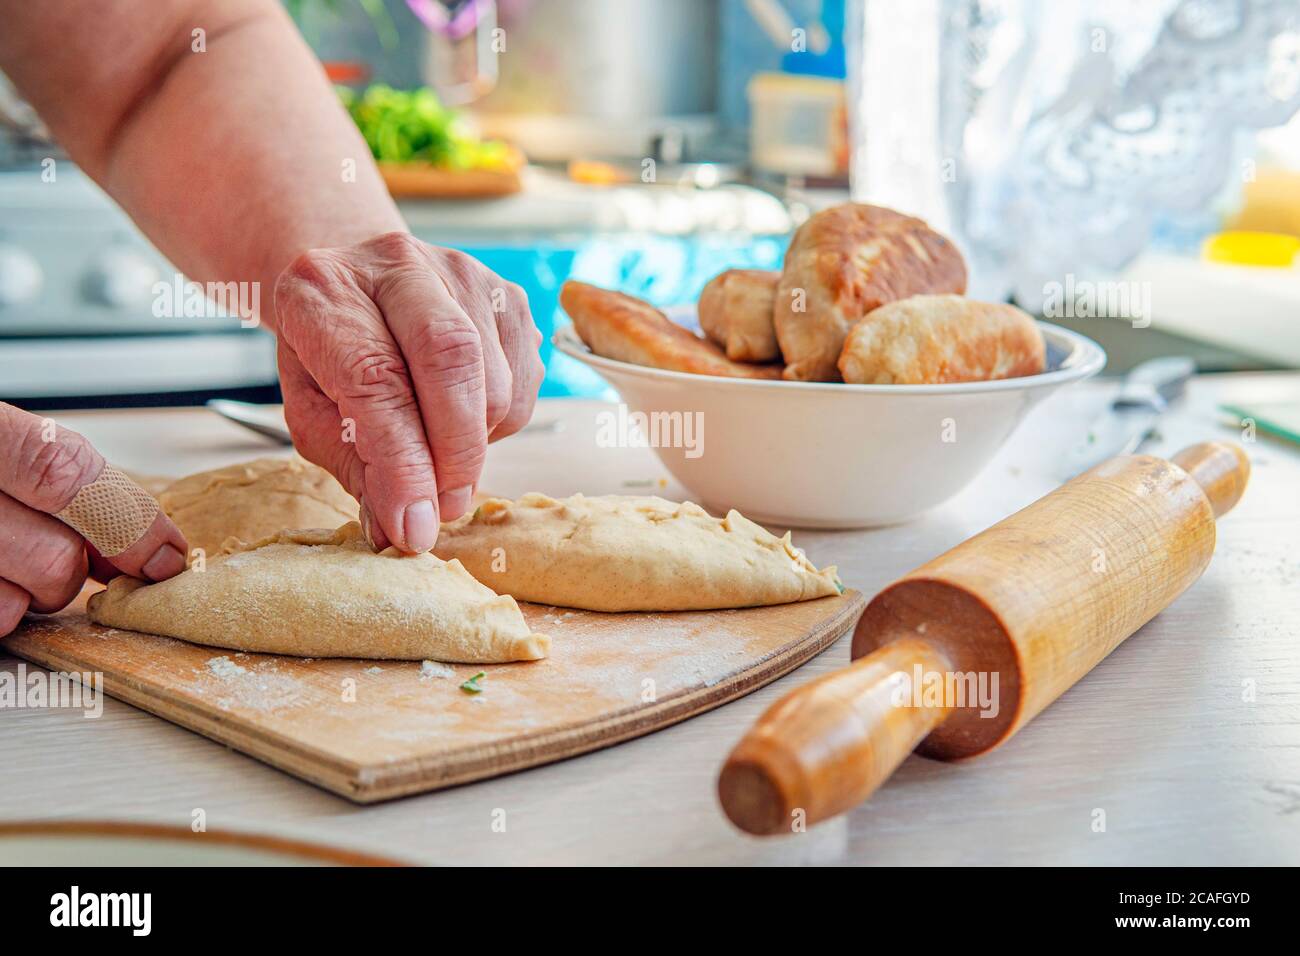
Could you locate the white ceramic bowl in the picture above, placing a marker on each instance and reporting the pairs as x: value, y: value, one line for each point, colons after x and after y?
x: 830, y: 455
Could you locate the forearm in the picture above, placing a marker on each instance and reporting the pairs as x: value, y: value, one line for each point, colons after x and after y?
x: 237, y: 164
x: 232, y: 160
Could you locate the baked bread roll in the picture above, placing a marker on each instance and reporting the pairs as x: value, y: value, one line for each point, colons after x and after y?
x: 933, y: 339
x: 843, y: 263
x: 621, y: 327
x: 736, y: 312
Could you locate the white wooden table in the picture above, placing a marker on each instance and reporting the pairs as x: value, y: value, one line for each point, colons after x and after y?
x: 1158, y: 736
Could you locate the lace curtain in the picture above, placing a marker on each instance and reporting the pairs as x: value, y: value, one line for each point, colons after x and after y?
x: 1048, y: 138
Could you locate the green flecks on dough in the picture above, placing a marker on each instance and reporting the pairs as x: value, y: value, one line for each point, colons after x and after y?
x: 838, y: 586
x: 471, y: 686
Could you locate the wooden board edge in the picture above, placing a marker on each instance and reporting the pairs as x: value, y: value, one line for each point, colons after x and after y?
x: 303, y: 762
x: 422, y: 181
x: 479, y: 762
x: 315, y: 853
x: 372, y: 784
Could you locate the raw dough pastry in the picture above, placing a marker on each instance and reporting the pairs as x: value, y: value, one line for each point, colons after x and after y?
x: 623, y: 553
x: 842, y: 263
x: 736, y: 313
x: 324, y: 593
x: 255, y: 499
x: 154, y: 484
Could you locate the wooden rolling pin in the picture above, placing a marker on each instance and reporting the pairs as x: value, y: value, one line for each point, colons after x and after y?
x: 1034, y: 602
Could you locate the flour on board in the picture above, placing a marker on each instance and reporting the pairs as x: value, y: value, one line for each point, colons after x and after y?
x: 434, y: 669
x: 262, y: 688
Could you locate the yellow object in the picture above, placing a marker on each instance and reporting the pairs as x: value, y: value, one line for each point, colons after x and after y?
x: 1252, y: 248
x: 1270, y: 202
x: 593, y: 172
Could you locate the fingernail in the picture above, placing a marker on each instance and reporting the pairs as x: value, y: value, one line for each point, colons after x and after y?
x: 165, y: 563
x: 420, y: 524
x: 364, y: 515
x: 372, y: 530
x: 452, y: 504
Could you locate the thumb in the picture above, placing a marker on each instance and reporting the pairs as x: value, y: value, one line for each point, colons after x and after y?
x: 57, y: 472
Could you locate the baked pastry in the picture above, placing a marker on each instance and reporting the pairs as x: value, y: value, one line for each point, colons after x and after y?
x: 629, y: 553
x: 843, y: 263
x: 933, y: 339
x: 621, y: 327
x: 736, y: 312
x: 324, y: 593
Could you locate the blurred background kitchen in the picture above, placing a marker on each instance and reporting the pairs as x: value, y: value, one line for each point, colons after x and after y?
x: 1128, y: 170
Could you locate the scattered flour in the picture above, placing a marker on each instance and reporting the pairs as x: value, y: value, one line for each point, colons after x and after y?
x: 374, y: 670
x: 225, y: 668
x: 263, y: 688
x: 434, y: 669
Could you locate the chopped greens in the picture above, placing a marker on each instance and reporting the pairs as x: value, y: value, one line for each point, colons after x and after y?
x: 403, y: 126
x: 471, y: 686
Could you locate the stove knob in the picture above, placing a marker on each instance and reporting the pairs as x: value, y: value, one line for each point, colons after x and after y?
x: 121, y: 277
x: 20, y: 276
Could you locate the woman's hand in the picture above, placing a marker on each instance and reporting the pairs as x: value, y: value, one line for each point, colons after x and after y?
x: 399, y: 362
x: 43, y: 562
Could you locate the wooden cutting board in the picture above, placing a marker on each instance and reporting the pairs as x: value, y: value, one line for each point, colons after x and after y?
x: 372, y: 730
x: 423, y: 181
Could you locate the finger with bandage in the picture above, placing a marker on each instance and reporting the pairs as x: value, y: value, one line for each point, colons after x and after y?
x: 66, y: 513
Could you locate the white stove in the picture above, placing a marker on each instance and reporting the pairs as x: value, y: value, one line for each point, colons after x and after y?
x: 76, y: 303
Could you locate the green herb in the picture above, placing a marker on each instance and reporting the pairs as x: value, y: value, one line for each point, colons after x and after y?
x: 403, y: 126
x: 839, y: 586
x: 471, y: 686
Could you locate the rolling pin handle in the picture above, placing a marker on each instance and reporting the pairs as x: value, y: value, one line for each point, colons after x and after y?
x: 1220, y: 468
x: 825, y: 747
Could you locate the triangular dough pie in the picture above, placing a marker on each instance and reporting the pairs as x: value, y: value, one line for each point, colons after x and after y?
x: 623, y: 553
x: 326, y: 594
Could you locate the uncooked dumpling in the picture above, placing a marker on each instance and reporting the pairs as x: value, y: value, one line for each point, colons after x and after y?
x: 326, y: 594
x: 154, y: 484
x: 255, y: 499
x: 622, y: 553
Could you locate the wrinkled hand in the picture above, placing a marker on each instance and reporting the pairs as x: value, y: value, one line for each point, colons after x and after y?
x: 43, y: 562
x: 399, y: 362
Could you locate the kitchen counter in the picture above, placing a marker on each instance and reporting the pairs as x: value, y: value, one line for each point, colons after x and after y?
x: 1187, y: 736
